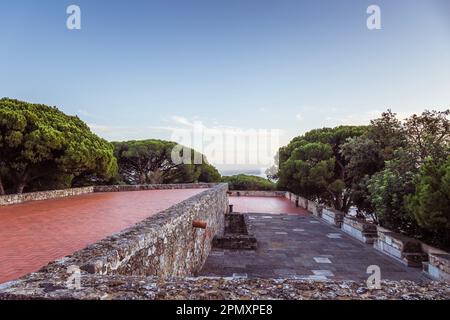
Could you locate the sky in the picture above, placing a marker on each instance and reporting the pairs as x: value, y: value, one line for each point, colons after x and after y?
x: 142, y: 69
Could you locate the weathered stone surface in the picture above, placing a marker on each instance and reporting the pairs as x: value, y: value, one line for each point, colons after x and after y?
x: 359, y: 229
x: 44, y: 195
x: 291, y: 247
x: 440, y: 261
x: 403, y: 248
x: 333, y: 217
x: 299, y: 201
x: 114, y: 287
x: 235, y: 242
x: 165, y: 244
x: 236, y: 235
x: 315, y: 209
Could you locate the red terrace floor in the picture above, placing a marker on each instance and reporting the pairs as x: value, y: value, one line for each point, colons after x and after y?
x: 35, y: 233
x: 273, y: 205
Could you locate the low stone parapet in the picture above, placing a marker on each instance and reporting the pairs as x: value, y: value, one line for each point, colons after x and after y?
x: 315, y: 209
x: 360, y: 229
x: 56, y: 194
x: 144, y: 187
x: 404, y: 249
x: 43, y: 195
x: 298, y: 201
x: 333, y: 217
x: 438, y: 266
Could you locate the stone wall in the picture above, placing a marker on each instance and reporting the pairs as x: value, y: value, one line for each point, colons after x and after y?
x: 360, y: 229
x: 164, y: 245
x: 438, y: 267
x: 120, y: 188
x: 55, y: 194
x: 403, y: 248
x: 43, y: 195
x: 333, y: 217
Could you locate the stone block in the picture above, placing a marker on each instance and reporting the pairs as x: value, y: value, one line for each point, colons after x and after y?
x: 359, y: 229
x: 333, y: 217
x: 404, y: 249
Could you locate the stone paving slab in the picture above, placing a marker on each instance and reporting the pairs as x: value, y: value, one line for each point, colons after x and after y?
x: 285, y: 251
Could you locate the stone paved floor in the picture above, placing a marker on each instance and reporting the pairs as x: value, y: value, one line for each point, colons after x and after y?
x: 35, y: 233
x: 300, y: 246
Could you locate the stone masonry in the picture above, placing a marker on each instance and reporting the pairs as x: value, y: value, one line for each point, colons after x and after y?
x: 163, y: 245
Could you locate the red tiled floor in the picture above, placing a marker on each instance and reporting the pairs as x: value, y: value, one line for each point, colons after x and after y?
x: 35, y: 233
x: 274, y: 205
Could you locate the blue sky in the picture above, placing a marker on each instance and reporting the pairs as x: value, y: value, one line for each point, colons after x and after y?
x: 138, y: 68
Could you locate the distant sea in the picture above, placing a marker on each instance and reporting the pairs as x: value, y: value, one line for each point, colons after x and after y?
x: 258, y: 173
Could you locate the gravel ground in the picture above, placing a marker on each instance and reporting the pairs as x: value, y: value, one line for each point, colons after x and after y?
x: 37, y: 286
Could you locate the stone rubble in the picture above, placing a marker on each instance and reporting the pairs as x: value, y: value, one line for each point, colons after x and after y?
x: 115, y: 287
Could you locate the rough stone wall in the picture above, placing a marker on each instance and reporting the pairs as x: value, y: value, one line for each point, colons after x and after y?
x: 333, y: 217
x: 163, y: 245
x: 43, y: 195
x: 404, y: 249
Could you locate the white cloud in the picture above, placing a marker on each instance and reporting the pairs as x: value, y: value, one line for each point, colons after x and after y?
x: 299, y: 117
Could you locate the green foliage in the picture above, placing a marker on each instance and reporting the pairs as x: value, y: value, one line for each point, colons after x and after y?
x: 430, y: 203
x: 407, y: 194
x: 246, y: 182
x: 37, y: 141
x: 150, y: 161
x: 388, y: 189
x: 312, y: 166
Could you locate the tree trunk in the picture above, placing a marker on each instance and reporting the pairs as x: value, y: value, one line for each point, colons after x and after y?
x: 19, y: 188
x: 22, y: 182
x: 2, y: 189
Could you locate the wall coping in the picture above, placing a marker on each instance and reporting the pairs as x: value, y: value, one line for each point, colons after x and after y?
x: 11, y: 199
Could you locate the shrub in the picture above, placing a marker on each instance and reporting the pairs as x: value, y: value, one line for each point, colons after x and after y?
x: 246, y: 182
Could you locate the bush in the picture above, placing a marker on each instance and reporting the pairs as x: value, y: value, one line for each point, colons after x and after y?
x: 246, y: 182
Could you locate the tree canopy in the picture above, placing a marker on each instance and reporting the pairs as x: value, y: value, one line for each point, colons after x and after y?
x: 247, y: 182
x: 150, y: 161
x: 312, y: 166
x: 430, y: 203
x: 38, y: 142
x: 396, y: 172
